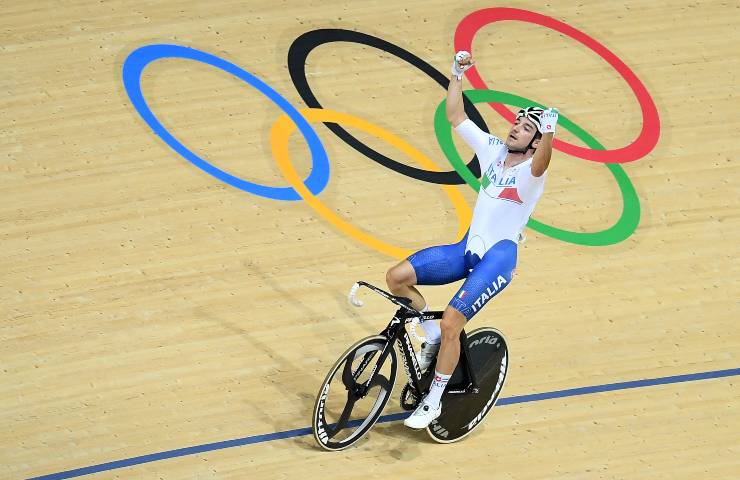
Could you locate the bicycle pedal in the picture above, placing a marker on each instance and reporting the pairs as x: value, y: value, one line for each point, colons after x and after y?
x: 409, y: 398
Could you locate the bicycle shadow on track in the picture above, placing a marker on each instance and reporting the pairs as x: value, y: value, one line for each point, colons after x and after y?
x: 406, y: 436
x: 387, y: 440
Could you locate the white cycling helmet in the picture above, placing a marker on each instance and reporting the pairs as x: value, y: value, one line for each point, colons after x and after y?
x: 533, y: 114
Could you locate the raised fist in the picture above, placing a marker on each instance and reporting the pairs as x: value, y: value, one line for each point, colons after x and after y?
x: 462, y: 61
x: 548, y: 120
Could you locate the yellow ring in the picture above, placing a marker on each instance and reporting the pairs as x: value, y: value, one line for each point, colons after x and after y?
x: 279, y: 135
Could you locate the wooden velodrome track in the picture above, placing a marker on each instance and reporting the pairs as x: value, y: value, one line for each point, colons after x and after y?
x: 149, y: 307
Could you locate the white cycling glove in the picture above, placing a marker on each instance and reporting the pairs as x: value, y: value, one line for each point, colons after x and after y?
x: 548, y: 120
x: 458, y: 68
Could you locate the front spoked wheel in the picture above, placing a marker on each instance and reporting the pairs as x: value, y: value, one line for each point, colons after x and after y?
x: 354, y: 393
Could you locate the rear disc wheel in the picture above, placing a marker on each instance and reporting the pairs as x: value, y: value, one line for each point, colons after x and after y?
x: 462, y: 413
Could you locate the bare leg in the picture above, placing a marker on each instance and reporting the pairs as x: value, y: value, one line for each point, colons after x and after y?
x: 449, y: 354
x: 452, y: 324
x: 401, y: 280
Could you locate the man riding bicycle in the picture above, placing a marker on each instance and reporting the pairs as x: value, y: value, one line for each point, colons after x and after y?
x: 512, y: 181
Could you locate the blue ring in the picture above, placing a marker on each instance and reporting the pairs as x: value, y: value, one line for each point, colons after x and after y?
x: 143, y: 56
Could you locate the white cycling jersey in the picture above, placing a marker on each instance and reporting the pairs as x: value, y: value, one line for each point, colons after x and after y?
x: 506, y: 198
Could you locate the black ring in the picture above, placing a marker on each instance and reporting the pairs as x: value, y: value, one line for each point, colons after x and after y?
x: 297, y: 56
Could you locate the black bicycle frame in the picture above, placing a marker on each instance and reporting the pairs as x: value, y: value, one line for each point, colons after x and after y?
x: 396, y: 333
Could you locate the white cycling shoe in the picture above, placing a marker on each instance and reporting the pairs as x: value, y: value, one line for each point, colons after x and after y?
x: 423, y: 416
x: 426, y: 356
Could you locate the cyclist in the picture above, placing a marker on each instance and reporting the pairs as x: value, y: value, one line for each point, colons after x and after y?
x: 512, y: 181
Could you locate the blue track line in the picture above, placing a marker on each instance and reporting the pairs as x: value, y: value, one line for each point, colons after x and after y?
x: 267, y: 437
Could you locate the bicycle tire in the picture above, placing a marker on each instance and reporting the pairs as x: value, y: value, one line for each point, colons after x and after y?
x: 463, y: 413
x: 323, y: 431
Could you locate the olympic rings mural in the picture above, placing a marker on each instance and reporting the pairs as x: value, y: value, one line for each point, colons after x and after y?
x: 309, y: 189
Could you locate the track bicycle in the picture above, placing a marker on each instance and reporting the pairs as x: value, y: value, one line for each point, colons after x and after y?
x: 359, y: 385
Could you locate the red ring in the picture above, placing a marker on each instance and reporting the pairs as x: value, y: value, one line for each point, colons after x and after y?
x: 650, y: 132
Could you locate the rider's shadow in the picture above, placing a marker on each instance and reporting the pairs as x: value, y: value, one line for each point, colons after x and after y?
x: 283, y: 371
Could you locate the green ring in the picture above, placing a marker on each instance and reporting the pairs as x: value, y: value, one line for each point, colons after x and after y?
x: 628, y: 221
